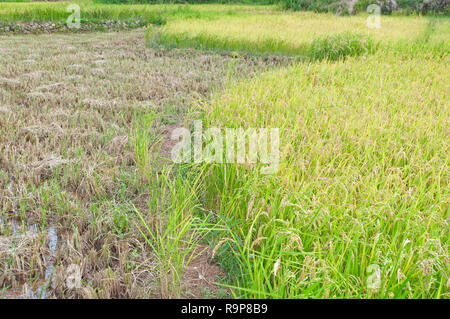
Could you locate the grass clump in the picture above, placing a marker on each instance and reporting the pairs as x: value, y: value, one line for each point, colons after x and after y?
x: 174, y: 233
x: 387, y: 7
x: 155, y: 37
x: 312, y: 5
x: 339, y: 46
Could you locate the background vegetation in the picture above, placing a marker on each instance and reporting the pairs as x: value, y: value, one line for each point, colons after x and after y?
x: 387, y: 6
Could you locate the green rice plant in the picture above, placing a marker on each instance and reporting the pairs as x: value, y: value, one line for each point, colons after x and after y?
x: 155, y: 37
x: 57, y: 12
x: 143, y: 141
x: 313, y: 5
x: 339, y: 46
x: 174, y: 233
x: 120, y: 219
x: 170, y: 226
x: 91, y: 11
x: 304, y: 34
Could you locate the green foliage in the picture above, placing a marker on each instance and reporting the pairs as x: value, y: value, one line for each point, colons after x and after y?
x: 387, y: 6
x: 57, y: 12
x: 312, y: 5
x: 187, y: 1
x: 339, y: 46
x: 120, y: 220
x: 143, y: 140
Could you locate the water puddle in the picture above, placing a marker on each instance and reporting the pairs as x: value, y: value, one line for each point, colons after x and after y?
x: 13, y: 231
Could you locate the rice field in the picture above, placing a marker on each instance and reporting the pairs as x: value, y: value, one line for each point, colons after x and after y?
x: 289, y: 33
x: 362, y: 187
x: 92, y: 10
x: 358, y: 203
x: 363, y: 180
